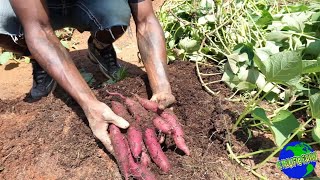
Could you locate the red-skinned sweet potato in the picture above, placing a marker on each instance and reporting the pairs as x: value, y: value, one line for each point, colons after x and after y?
x: 162, y: 125
x: 154, y: 149
x: 134, y: 131
x: 121, y: 149
x: 177, y: 131
x: 134, y: 107
x: 147, y: 104
x: 140, y: 172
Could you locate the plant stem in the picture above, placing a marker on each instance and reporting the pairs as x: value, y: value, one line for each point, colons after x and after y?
x: 298, y: 109
x: 282, y: 145
x: 256, y: 152
x: 233, y: 156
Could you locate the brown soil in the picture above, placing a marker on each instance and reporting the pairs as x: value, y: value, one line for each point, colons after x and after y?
x: 50, y: 139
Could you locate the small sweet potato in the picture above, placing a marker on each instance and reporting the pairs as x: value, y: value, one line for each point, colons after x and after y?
x: 162, y: 125
x: 154, y: 149
x: 145, y: 159
x: 121, y: 149
x: 147, y: 104
x: 134, y: 107
x: 134, y: 132
x: 177, y: 131
x: 135, y: 140
x: 140, y: 172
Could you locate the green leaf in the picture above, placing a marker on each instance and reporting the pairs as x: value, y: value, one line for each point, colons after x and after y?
x: 313, y: 49
x: 245, y: 86
x: 297, y: 8
x: 296, y: 84
x: 283, y: 66
x: 265, y: 19
x: 310, y: 66
x: 189, y: 45
x: 277, y: 36
x: 65, y: 44
x: 260, y: 114
x: 232, y: 63
x: 27, y: 59
x: 316, y: 131
x: 315, y: 105
x: 88, y: 77
x: 207, y: 4
x: 284, y: 123
x: 296, y: 21
x: 5, y: 57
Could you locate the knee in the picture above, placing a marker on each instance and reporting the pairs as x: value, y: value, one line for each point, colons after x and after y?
x: 110, y: 35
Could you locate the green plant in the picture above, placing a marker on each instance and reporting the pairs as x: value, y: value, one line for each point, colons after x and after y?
x: 266, y: 51
x: 120, y: 75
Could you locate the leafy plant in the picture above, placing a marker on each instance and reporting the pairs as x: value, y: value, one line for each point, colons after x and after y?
x: 267, y: 50
x: 120, y: 75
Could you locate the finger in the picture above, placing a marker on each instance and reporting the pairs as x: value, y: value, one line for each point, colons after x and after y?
x: 116, y: 120
x: 154, y: 98
x: 107, y: 143
x: 104, y: 137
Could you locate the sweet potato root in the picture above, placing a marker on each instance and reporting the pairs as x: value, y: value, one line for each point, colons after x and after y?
x: 135, y: 140
x: 134, y: 107
x: 147, y: 104
x: 162, y: 125
x: 177, y: 131
x: 121, y: 149
x: 134, y: 131
x: 140, y: 172
x: 154, y: 149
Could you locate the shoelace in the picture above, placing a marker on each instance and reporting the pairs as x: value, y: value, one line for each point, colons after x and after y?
x: 107, y: 53
x: 39, y: 76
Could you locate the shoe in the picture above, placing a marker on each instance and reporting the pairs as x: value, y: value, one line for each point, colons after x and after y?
x: 106, y: 58
x: 43, y: 84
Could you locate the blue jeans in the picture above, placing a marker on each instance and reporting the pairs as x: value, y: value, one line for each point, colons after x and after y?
x: 84, y: 15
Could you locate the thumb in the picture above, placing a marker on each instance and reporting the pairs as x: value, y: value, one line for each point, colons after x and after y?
x: 116, y: 120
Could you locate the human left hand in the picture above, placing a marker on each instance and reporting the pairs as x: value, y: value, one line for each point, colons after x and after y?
x: 164, y: 99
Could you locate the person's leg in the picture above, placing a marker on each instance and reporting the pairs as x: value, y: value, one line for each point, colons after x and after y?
x: 107, y: 21
x: 101, y: 50
x: 11, y: 39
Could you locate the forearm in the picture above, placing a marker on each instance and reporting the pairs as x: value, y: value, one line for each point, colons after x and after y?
x: 152, y: 48
x: 53, y: 57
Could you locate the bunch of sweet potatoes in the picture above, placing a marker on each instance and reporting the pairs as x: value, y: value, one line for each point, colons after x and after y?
x: 134, y: 148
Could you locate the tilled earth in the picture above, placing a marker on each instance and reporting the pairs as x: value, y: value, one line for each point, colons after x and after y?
x: 50, y: 139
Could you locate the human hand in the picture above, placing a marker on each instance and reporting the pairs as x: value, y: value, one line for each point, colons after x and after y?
x: 164, y: 99
x: 100, y: 116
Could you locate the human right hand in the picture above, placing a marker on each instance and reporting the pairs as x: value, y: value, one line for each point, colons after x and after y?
x: 100, y: 116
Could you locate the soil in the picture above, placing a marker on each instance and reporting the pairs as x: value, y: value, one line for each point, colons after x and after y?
x: 50, y: 138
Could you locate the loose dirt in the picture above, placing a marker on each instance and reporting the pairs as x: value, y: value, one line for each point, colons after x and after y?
x: 50, y: 139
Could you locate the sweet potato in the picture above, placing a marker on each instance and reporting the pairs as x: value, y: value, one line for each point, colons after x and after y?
x: 154, y: 149
x: 162, y: 125
x: 140, y: 172
x: 134, y: 132
x: 135, y: 140
x: 134, y: 107
x: 145, y: 159
x: 147, y: 104
x: 177, y: 131
x: 121, y: 149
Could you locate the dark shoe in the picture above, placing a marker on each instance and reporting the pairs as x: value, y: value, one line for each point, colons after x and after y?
x: 106, y: 58
x: 43, y: 84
